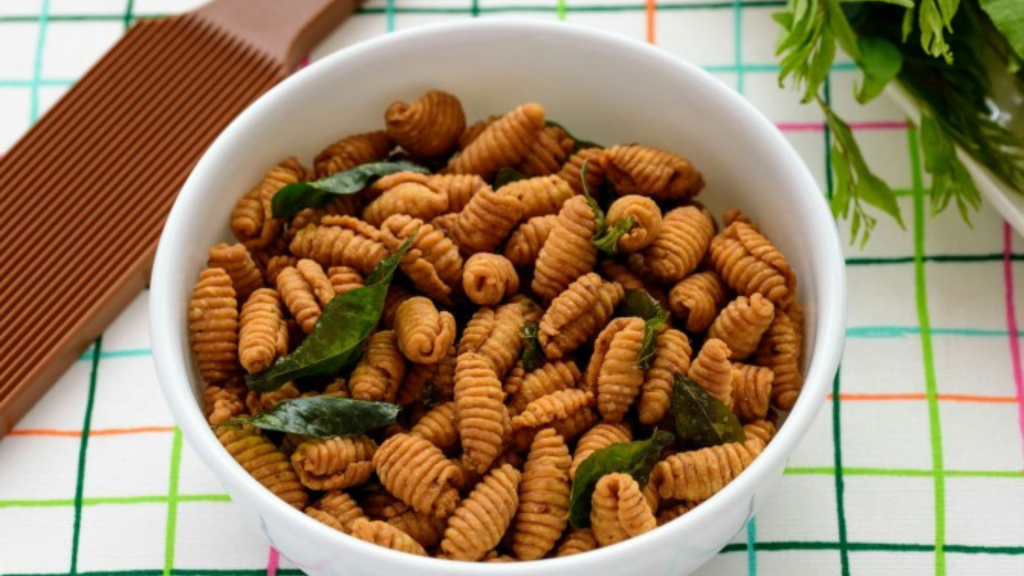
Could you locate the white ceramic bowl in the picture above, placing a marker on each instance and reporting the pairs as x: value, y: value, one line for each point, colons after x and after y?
x: 604, y: 88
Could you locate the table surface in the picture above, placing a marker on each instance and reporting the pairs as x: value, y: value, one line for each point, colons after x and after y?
x: 914, y: 466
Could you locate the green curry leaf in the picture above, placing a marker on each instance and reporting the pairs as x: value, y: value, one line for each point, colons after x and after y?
x: 608, y: 241
x: 701, y: 419
x: 533, y: 355
x: 323, y: 416
x: 641, y: 304
x: 289, y: 200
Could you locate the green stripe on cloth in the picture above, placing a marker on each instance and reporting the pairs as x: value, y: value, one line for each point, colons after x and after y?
x: 170, y: 533
x: 83, y: 450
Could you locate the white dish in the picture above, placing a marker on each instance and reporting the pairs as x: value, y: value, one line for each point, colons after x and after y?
x: 602, y: 87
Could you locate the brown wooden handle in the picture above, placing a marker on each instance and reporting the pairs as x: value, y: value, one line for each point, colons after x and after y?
x: 286, y: 29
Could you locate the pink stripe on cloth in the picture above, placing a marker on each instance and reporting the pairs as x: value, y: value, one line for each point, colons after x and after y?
x: 820, y: 126
x: 1011, y: 323
x: 273, y: 562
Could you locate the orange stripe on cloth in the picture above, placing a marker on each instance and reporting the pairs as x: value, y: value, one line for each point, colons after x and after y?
x: 100, y: 432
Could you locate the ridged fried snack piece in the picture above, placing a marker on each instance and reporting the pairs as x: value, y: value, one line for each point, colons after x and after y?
x: 334, y: 463
x: 485, y: 221
x: 552, y: 407
x: 619, y: 273
x: 298, y: 296
x: 344, y: 279
x: 258, y: 402
x: 539, y: 196
x: 613, y: 372
x: 341, y: 241
x: 548, y: 378
x: 474, y: 130
x: 549, y: 152
x: 523, y: 246
x: 480, y: 521
x: 497, y: 334
x: 277, y: 263
x: 751, y: 391
x: 405, y: 193
x: 577, y: 541
x: 619, y: 511
x: 696, y: 300
x: 264, y: 462
x: 780, y: 351
x: 460, y: 188
x: 386, y: 535
x: 317, y: 279
x: 577, y: 314
x: 670, y: 513
x: 742, y: 323
x: 236, y: 261
x: 647, y: 171
x: 543, y: 510
x: 568, y: 252
x: 337, y: 510
x: 426, y: 529
x: 379, y: 504
x: 680, y: 247
x: 712, y: 370
x: 337, y: 206
x: 213, y: 326
x: 416, y: 472
x: 428, y: 127
x: 380, y: 371
x: 481, y: 413
x: 424, y: 335
x: 221, y: 404
x: 432, y: 263
x: 392, y: 300
x: 671, y: 357
x: 750, y: 264
x: 504, y: 143
x: 646, y: 221
x: 438, y: 426
x: 571, y: 427
x: 352, y: 151
x: 251, y: 219
x: 262, y: 335
x: 601, y: 436
x: 572, y: 170
x: 487, y: 279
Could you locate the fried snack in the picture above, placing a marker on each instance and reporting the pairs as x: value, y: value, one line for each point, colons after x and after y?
x: 317, y: 279
x: 424, y: 335
x: 264, y: 462
x: 555, y: 406
x: 671, y: 357
x: 543, y: 510
x: 438, y: 426
x: 426, y: 529
x: 487, y: 279
x: 548, y: 153
x: 548, y: 378
x: 344, y: 279
x: 474, y: 130
x: 236, y: 261
x: 497, y: 335
x: 251, y: 220
x: 429, y: 127
x: 394, y: 298
x: 568, y: 252
x: 613, y: 371
x: 712, y: 370
x: 277, y: 263
x: 445, y: 223
x: 341, y: 241
x: 337, y: 510
x: 750, y: 264
x: 338, y: 389
x: 416, y: 471
x: 677, y: 251
x: 258, y: 402
x: 601, y: 436
x: 298, y: 296
x: 742, y: 323
x: 669, y: 514
x: 352, y: 151
x: 444, y: 377
x: 460, y: 188
x: 648, y: 171
x: 405, y: 193
x: 379, y: 373
x: 334, y: 463
x: 493, y: 557
x: 379, y: 504
x: 482, y: 417
x: 572, y: 170
x: 416, y: 383
x: 539, y: 196
x: 432, y: 263
x: 213, y: 326
x: 780, y: 351
x: 700, y: 474
x: 577, y: 314
x: 261, y: 338
x: 646, y: 221
x: 481, y: 520
x: 220, y: 405
x: 751, y: 391
x: 619, y: 510
x: 577, y: 541
x: 485, y: 221
x: 651, y: 497
x: 575, y: 424
x: 506, y: 142
x: 523, y: 246
x: 337, y: 206
x: 696, y: 299
x: 796, y: 316
x: 386, y: 535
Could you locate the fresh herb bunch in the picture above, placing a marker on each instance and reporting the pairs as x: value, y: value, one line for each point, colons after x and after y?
x: 951, y: 55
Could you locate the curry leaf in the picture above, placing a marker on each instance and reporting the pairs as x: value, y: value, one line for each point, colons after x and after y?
x: 880, y: 62
x: 533, y: 355
x: 294, y: 197
x: 1008, y: 18
x: 323, y: 416
x: 950, y: 178
x: 701, y: 419
x: 608, y: 241
x: 634, y: 458
x: 507, y: 175
x: 577, y: 144
x: 641, y: 304
x: 336, y: 341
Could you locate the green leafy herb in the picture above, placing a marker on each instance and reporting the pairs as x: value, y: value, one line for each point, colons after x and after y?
x: 294, y: 197
x: 634, y: 458
x: 336, y: 341
x: 608, y: 241
x: 577, y: 144
x: 880, y: 61
x: 1008, y: 18
x: 950, y: 178
x: 533, y: 355
x: 935, y: 17
x: 641, y: 304
x: 701, y: 419
x: 324, y: 416
x: 507, y: 175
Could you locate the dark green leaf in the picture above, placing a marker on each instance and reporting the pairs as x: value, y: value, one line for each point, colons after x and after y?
x: 577, y: 144
x: 507, y: 175
x: 608, y: 242
x: 933, y: 17
x: 324, y: 416
x: 950, y: 178
x: 634, y: 458
x: 533, y: 355
x: 336, y: 341
x: 701, y: 419
x: 294, y: 197
x: 641, y: 304
x: 880, y: 61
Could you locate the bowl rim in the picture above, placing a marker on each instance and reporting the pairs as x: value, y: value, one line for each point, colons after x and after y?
x: 166, y: 331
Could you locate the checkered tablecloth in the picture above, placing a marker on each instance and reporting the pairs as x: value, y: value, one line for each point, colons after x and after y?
x: 915, y: 465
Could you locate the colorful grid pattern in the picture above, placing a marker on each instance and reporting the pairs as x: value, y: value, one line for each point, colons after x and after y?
x: 915, y: 466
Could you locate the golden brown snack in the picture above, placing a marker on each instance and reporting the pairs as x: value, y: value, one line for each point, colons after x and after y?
x: 524, y: 244
x: 548, y: 378
x: 379, y: 504
x: 696, y: 299
x: 672, y: 356
x: 258, y: 402
x: 344, y: 279
x: 651, y: 497
x: 341, y: 241
x: 669, y: 514
x: 601, y: 436
x: 251, y: 220
x: 352, y: 151
x: 504, y: 143
x: 479, y: 523
x: 539, y: 196
x: 613, y: 372
x: 416, y: 384
x: 386, y: 535
x: 568, y: 252
x: 428, y: 127
x: 487, y: 279
x: 577, y: 541
x: 426, y: 529
x: 337, y: 206
x: 543, y: 510
x: 394, y: 298
x: 482, y: 417
x: 648, y: 171
x: 712, y: 370
x: 416, y: 471
x: 574, y: 425
x: 751, y: 391
x: 264, y: 462
x: 299, y: 298
x: 338, y: 389
x: 796, y: 315
x: 260, y: 336
x: 338, y: 507
x: 445, y: 223
x: 424, y: 334
x: 213, y: 326
x: 381, y: 369
x: 497, y: 334
x: 552, y: 407
x: 680, y: 247
x: 443, y: 388
x: 438, y: 426
x: 405, y: 193
x: 460, y: 188
x: 572, y: 170
x: 474, y: 130
x: 750, y: 264
x: 236, y: 261
x: 493, y: 557
x: 220, y: 405
x: 646, y: 221
x: 334, y: 463
x: 577, y: 314
x: 432, y: 263
x: 548, y: 153
x: 317, y: 279
x: 742, y: 323
x: 619, y: 510
x: 513, y: 382
x: 485, y: 221
x: 780, y: 351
